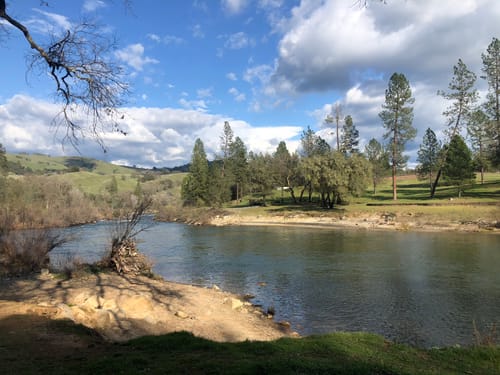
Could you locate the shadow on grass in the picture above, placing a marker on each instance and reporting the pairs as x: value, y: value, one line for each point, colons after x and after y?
x: 80, y: 351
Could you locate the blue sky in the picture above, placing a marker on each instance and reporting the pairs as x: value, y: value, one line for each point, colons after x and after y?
x: 269, y: 67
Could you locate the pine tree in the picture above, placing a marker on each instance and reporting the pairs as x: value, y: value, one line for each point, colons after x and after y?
x: 491, y: 70
x: 478, y: 132
x: 428, y: 156
x: 350, y: 137
x: 463, y: 97
x: 397, y: 116
x: 195, y: 185
x: 458, y: 168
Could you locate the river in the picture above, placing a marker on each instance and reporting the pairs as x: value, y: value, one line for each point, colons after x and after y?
x: 424, y: 289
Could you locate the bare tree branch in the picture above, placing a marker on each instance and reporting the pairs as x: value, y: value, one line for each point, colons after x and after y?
x: 90, y: 87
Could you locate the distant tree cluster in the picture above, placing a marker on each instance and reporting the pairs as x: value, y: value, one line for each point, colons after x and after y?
x: 332, y: 174
x: 452, y: 158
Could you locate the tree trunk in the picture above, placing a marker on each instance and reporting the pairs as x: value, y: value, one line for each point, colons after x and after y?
x: 433, y: 187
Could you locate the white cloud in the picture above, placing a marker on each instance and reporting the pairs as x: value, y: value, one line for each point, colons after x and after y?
x: 332, y: 45
x: 93, y: 5
x: 238, y: 96
x: 166, y: 39
x: 233, y: 7
x: 232, y: 76
x: 133, y: 55
x: 239, y: 40
x: 204, y: 93
x: 156, y: 136
x: 47, y: 22
x: 197, y: 31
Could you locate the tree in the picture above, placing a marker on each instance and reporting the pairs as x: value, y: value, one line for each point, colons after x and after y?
x: 311, y: 145
x: 463, y: 96
x: 226, y: 141
x: 238, y: 164
x: 458, y: 168
x: 477, y: 129
x: 378, y: 157
x: 428, y: 156
x: 491, y: 70
x: 350, y: 137
x: 195, y: 185
x: 262, y: 181
x: 397, y: 116
x: 337, y: 113
x: 85, y: 81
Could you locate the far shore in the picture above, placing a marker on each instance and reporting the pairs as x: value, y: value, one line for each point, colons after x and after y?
x: 378, y: 221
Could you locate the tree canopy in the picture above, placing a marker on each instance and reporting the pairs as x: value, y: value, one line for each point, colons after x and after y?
x: 397, y: 118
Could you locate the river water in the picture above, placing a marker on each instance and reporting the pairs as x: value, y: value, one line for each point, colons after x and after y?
x: 424, y: 289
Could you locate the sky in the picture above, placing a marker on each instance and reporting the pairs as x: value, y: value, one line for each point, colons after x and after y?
x: 271, y: 68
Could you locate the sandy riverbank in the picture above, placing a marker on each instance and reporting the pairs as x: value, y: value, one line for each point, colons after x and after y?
x: 120, y: 307
x: 379, y: 221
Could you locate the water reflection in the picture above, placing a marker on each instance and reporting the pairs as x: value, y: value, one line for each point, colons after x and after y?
x: 418, y: 288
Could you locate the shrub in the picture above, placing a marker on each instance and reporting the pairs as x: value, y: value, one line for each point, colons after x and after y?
x: 123, y: 256
x: 26, y: 251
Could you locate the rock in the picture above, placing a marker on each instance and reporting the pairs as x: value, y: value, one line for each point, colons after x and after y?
x: 234, y: 303
x: 181, y: 314
x: 215, y: 287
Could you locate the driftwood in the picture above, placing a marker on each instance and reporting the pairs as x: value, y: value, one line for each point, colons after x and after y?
x: 126, y: 259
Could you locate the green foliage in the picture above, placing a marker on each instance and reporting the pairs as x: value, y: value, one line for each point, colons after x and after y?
x: 378, y: 157
x: 428, y: 156
x: 195, y: 185
x: 462, y: 96
x: 491, y: 70
x: 350, y: 137
x: 459, y: 168
x: 181, y: 352
x: 397, y: 118
x: 112, y: 187
x: 261, y: 180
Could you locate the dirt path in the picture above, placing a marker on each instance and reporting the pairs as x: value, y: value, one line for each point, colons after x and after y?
x: 121, y: 308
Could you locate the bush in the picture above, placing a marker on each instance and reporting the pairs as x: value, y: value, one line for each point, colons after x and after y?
x: 26, y: 251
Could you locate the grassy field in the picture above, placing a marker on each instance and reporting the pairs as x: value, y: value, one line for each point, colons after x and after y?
x: 79, y: 350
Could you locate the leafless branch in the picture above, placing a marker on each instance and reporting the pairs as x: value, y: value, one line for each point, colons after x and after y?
x: 89, y: 86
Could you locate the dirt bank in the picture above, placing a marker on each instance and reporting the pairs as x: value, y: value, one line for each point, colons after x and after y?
x: 380, y: 221
x: 121, y: 308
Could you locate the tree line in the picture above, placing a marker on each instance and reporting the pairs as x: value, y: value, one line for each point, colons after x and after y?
x: 337, y: 173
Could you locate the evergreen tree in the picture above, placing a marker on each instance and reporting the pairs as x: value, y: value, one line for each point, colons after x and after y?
x: 238, y: 164
x: 195, y: 184
x: 350, y: 137
x: 491, y: 70
x: 262, y: 181
x: 337, y: 113
x: 463, y: 97
x: 428, y: 156
x: 458, y: 168
x: 477, y: 129
x: 379, y: 160
x: 397, y: 116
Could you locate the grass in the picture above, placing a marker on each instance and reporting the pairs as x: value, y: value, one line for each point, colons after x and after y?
x: 78, y: 350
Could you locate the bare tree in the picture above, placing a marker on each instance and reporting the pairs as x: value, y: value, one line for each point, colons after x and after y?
x: 88, y: 85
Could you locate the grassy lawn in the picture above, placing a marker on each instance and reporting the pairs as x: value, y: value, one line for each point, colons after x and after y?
x: 181, y: 353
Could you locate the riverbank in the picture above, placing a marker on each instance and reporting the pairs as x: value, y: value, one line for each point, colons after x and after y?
x: 121, y: 308
x: 36, y: 336
x: 398, y: 218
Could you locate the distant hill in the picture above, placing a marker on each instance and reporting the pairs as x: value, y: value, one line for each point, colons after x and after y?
x: 24, y: 163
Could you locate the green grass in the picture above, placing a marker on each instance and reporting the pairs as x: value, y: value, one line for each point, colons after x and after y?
x: 182, y: 353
